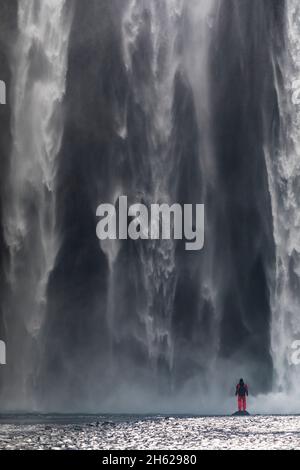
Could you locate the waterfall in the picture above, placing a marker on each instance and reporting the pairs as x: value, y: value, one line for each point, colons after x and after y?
x: 39, y: 75
x: 283, y: 163
x: 162, y: 101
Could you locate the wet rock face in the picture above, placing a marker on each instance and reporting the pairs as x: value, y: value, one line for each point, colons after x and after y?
x: 241, y: 413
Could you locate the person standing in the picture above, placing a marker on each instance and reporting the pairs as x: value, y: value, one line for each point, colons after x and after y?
x: 242, y: 392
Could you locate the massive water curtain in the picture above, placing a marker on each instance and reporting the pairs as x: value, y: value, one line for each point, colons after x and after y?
x: 283, y: 162
x: 39, y: 85
x: 164, y: 103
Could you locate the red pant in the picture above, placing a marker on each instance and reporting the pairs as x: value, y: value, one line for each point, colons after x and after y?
x: 242, y: 403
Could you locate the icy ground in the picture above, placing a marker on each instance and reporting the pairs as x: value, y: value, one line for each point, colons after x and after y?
x: 152, y: 432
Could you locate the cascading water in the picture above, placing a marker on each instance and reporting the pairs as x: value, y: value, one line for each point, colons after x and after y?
x: 284, y: 171
x: 160, y: 29
x: 158, y: 23
x: 39, y: 85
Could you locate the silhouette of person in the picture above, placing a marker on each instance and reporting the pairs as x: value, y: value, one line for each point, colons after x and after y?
x: 241, y: 392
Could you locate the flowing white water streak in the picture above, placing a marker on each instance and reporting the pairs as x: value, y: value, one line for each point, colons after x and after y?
x: 283, y: 165
x: 156, y: 99
x: 39, y: 87
x: 203, y: 17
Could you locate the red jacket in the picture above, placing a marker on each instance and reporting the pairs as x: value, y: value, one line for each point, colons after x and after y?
x: 241, y: 390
